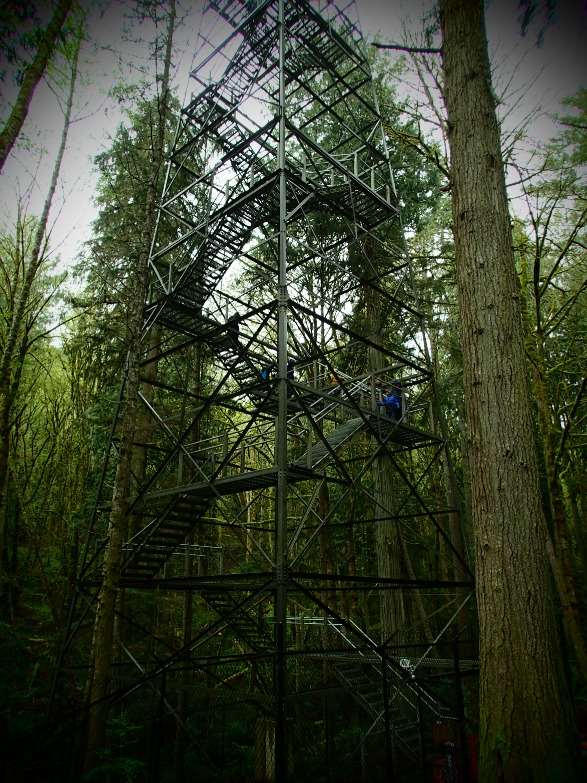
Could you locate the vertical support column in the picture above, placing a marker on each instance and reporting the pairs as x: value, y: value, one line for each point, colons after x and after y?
x: 464, y: 766
x: 387, y: 721
x: 422, y: 736
x: 281, y: 437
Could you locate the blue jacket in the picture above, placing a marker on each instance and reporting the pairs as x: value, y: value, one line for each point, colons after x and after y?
x: 392, y: 405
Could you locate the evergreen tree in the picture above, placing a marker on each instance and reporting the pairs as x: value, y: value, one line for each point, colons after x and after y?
x: 103, y: 641
x: 526, y: 719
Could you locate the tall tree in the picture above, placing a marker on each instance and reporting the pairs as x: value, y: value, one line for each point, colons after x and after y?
x: 526, y: 720
x: 103, y: 640
x: 16, y: 389
x: 553, y: 294
x: 15, y: 341
x: 33, y: 76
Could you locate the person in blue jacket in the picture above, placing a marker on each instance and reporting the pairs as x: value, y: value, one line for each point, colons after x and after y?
x: 392, y: 405
x: 267, y: 372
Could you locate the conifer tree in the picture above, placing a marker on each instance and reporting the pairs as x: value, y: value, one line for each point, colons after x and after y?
x: 526, y: 720
x: 104, y: 626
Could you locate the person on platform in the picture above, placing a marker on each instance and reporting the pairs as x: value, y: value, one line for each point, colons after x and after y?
x: 392, y: 405
x: 267, y: 372
x: 232, y: 327
x: 334, y: 380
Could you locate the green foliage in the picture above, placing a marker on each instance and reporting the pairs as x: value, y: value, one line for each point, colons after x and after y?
x: 530, y: 10
x: 114, y: 762
x: 108, y: 267
x: 550, y: 248
x: 574, y: 135
x: 19, y: 31
x: 26, y: 665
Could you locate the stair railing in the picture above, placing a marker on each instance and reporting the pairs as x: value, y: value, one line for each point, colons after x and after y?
x: 402, y: 670
x: 212, y: 556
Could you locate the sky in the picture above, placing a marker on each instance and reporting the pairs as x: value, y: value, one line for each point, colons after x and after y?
x: 543, y: 76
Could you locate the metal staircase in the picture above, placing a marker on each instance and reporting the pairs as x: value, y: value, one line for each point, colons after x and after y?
x: 174, y: 516
x: 278, y: 231
x: 237, y: 611
x: 333, y: 442
x: 149, y: 550
x: 388, y: 690
x: 364, y: 680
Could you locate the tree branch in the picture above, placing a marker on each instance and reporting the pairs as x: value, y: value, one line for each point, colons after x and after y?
x: 409, y: 49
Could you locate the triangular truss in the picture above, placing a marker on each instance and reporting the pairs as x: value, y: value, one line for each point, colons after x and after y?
x: 257, y: 586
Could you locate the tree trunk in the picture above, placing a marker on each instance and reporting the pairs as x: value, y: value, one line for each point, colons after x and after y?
x: 558, y: 512
x: 355, y: 608
x: 9, y: 591
x: 526, y: 718
x: 144, y: 418
x: 186, y: 676
x: 32, y: 77
x: 326, y: 563
x: 103, y: 641
x: 561, y: 556
x: 573, y: 495
x: 389, y: 549
x: 387, y: 530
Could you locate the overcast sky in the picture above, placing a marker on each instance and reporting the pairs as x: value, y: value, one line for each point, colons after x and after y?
x: 560, y: 67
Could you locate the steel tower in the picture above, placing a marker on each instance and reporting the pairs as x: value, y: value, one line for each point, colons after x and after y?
x: 292, y: 594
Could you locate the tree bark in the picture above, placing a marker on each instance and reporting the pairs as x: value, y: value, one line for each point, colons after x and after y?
x: 573, y: 612
x: 526, y: 718
x: 355, y: 607
x: 326, y: 563
x: 573, y: 495
x: 32, y: 77
x: 103, y: 639
x: 387, y: 530
x: 388, y: 536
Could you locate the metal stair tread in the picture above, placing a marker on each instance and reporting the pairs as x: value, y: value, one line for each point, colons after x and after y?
x: 335, y: 439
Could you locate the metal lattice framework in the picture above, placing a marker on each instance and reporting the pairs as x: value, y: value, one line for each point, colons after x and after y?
x: 289, y: 581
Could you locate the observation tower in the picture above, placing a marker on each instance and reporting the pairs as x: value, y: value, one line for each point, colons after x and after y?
x: 293, y: 593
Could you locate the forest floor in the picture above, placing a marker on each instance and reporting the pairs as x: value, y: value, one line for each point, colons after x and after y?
x: 29, y: 642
